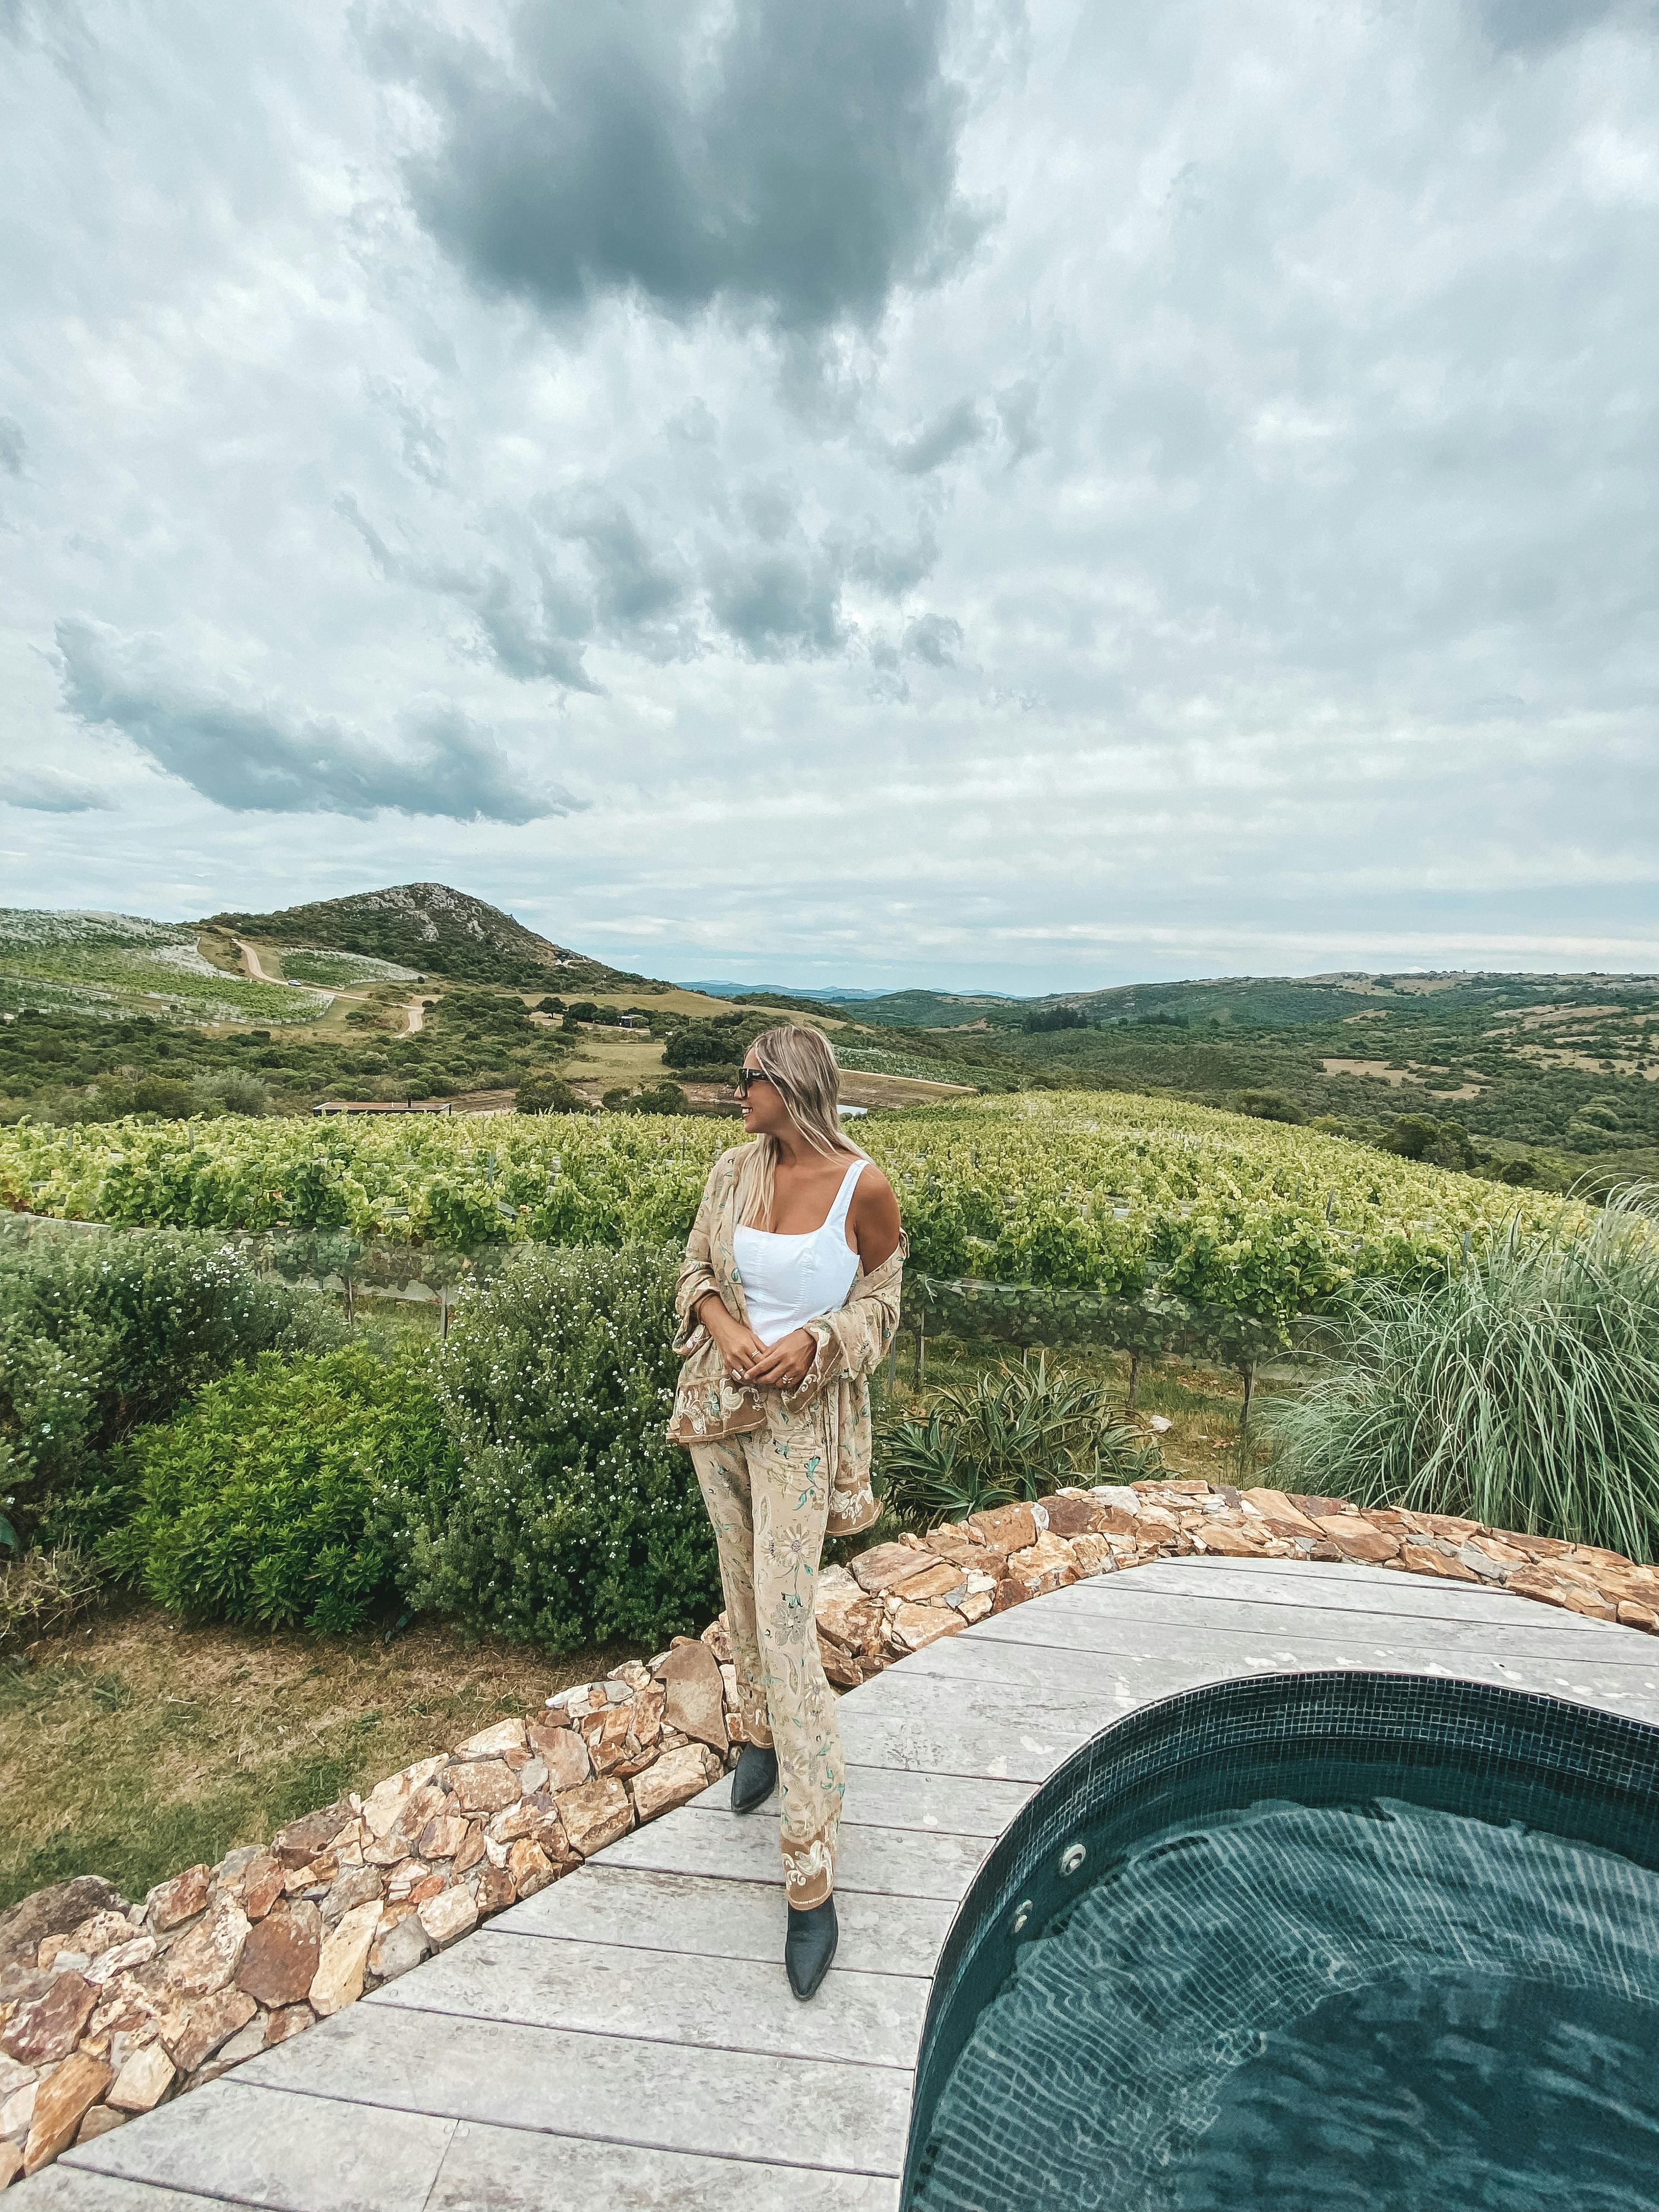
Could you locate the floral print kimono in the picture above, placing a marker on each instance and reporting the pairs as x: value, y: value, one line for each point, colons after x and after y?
x: 778, y: 1471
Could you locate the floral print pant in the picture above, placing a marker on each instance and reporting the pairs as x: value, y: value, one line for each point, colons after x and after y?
x: 768, y: 1495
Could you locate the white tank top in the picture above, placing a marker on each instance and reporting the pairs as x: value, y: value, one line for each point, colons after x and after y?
x: 790, y: 1281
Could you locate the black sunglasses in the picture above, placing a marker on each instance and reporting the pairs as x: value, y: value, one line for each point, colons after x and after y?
x: 748, y: 1075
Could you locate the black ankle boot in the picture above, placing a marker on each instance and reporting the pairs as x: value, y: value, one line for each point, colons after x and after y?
x: 754, y: 1777
x: 809, y: 1946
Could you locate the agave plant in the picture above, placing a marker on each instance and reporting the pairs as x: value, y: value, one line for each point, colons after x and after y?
x: 1522, y: 1392
x: 1015, y: 1433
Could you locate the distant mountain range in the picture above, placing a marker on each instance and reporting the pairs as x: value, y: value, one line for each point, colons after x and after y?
x: 839, y: 995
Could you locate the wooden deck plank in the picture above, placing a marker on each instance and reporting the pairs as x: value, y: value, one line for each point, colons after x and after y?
x: 905, y: 1797
x: 709, y: 1916
x: 668, y: 1996
x: 604, y: 2088
x: 1356, y: 1588
x: 256, y: 2144
x: 505, y: 2170
x: 888, y: 1862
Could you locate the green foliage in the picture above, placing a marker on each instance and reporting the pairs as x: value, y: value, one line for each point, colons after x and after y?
x: 567, y: 1517
x: 705, y: 1044
x: 341, y: 970
x: 920, y: 1067
x: 238, y: 1090
x: 1018, y: 1433
x: 717, y: 1045
x: 547, y: 1093
x: 101, y: 1332
x: 1441, y: 1143
x: 164, y: 1095
x: 1269, y: 1106
x: 256, y: 1504
x: 1522, y: 1392
x: 655, y: 1098
x: 100, y: 965
x: 1121, y: 1195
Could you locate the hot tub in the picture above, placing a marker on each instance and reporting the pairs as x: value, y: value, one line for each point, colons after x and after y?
x: 1321, y: 1942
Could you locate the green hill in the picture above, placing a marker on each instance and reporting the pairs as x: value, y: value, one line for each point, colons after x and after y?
x: 434, y: 930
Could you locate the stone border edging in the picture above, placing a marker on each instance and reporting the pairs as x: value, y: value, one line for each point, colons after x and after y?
x: 108, y: 2009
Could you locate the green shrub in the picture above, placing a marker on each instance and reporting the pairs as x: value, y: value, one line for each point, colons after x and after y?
x: 547, y: 1094
x: 99, y: 1333
x: 701, y: 1044
x: 568, y: 1517
x: 235, y: 1091
x: 1018, y: 1433
x: 1523, y: 1392
x: 657, y: 1098
x: 164, y: 1095
x: 1269, y: 1106
x: 257, y: 1503
x: 1439, y: 1143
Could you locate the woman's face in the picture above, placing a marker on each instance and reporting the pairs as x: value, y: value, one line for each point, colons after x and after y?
x: 764, y: 1114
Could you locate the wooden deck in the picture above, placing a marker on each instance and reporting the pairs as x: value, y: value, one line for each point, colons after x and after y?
x: 626, y: 2041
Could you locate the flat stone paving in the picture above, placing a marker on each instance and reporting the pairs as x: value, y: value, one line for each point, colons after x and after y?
x: 626, y: 2041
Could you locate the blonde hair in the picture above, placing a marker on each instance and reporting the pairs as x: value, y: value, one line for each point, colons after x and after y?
x: 799, y: 1063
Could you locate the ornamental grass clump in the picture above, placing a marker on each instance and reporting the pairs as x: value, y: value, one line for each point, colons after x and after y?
x: 1018, y: 1433
x: 1522, y: 1392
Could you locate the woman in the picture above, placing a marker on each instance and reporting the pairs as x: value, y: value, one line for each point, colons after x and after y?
x: 788, y: 1300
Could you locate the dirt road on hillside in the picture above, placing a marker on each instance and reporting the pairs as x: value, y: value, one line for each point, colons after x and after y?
x: 251, y: 962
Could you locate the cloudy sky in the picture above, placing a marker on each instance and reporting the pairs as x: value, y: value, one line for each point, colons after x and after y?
x: 860, y: 491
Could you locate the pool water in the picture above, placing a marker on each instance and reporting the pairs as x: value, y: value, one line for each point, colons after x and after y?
x: 1315, y: 2008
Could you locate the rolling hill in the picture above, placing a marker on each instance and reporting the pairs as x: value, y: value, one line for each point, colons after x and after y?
x: 435, y: 930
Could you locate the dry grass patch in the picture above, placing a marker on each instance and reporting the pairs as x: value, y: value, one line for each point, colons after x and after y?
x: 133, y: 1746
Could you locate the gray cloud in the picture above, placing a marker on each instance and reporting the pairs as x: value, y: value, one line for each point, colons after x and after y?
x: 940, y: 440
x: 1016, y: 411
x: 423, y: 448
x: 1538, y: 26
x: 11, y: 446
x: 533, y: 629
x: 588, y: 573
x: 266, y: 761
x: 795, y: 159
x: 777, y: 601
x: 936, y: 639
x: 49, y: 792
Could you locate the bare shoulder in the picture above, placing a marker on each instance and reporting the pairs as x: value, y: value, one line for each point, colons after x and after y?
x: 872, y: 1188
x: 873, y: 1217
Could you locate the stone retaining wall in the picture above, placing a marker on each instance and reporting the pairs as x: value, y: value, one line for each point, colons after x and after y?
x: 107, y: 2008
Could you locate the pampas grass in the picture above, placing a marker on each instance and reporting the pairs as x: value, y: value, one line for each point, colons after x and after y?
x: 1523, y: 1392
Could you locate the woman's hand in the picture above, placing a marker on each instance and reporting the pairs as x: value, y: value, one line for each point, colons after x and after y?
x: 785, y: 1366
x: 739, y: 1347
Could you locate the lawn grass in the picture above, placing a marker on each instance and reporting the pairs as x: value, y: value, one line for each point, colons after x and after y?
x: 133, y: 1746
